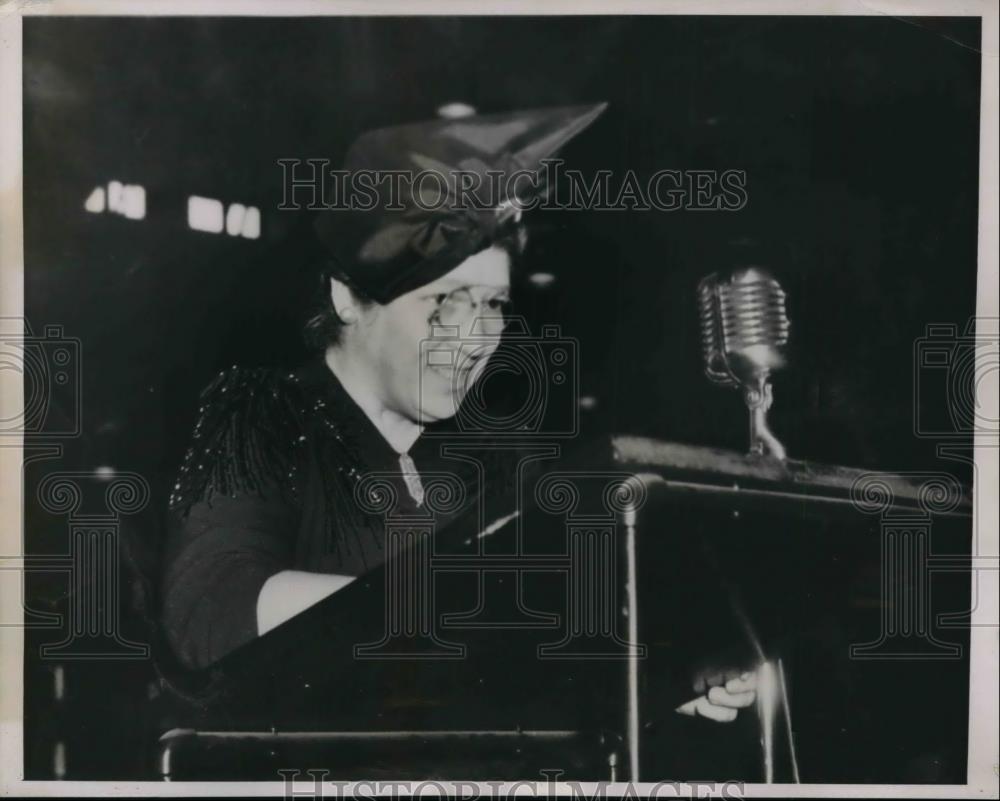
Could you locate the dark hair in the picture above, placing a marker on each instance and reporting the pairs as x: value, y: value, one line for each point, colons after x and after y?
x: 323, y: 325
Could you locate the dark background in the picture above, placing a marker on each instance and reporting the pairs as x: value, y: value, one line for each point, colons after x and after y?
x: 859, y: 138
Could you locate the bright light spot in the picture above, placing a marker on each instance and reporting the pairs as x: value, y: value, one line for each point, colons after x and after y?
x: 114, y: 195
x: 205, y: 214
x: 129, y: 200
x: 234, y: 218
x: 59, y: 760
x: 95, y: 201
x: 133, y: 202
x: 588, y: 402
x: 243, y: 221
x: 456, y: 110
x: 542, y: 280
x: 251, y: 223
x: 59, y: 682
x: 104, y: 473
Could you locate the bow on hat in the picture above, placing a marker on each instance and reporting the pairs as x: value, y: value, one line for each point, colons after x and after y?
x: 432, y: 226
x: 442, y: 218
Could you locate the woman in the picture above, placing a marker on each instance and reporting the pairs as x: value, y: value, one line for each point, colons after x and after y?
x: 264, y: 521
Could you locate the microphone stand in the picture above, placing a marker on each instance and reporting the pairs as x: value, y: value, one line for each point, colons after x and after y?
x: 758, y: 397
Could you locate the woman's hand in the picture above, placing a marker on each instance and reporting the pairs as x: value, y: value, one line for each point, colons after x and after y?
x: 286, y: 594
x: 722, y: 703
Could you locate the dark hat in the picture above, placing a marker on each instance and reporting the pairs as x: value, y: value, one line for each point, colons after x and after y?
x: 461, y: 185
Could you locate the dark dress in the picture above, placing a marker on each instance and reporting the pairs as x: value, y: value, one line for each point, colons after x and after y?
x: 269, y: 484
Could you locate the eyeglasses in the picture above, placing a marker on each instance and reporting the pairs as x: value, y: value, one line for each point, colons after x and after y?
x: 491, y: 315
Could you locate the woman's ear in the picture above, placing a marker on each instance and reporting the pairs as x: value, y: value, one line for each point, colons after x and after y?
x: 343, y: 301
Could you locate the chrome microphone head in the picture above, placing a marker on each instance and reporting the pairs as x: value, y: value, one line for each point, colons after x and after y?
x: 744, y: 330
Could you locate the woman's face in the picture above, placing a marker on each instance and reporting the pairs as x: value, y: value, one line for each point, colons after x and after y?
x: 426, y: 348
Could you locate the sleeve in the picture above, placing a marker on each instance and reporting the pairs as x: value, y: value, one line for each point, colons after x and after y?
x: 233, y: 515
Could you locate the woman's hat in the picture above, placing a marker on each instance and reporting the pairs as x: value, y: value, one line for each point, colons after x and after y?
x: 414, y: 201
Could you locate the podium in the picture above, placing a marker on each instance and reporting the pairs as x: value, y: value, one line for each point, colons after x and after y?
x: 563, y: 634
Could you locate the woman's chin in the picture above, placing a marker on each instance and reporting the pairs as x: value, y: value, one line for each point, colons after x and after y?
x: 441, y: 395
x: 443, y: 407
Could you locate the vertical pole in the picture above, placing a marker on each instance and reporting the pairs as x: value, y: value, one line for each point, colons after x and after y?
x: 632, y: 607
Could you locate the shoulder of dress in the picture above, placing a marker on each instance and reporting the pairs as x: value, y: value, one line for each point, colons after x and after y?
x: 260, y: 388
x: 247, y: 437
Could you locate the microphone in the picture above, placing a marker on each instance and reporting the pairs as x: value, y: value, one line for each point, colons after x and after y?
x: 744, y: 331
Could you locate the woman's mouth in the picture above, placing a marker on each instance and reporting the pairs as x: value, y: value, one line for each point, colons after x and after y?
x: 452, y: 374
x: 460, y: 372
